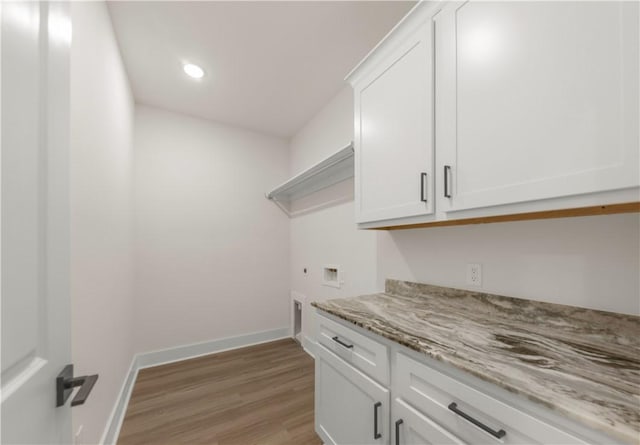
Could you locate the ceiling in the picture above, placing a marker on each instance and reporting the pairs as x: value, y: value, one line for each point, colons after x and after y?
x: 270, y: 66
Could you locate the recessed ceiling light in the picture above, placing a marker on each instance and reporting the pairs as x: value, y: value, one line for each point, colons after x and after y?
x: 193, y: 70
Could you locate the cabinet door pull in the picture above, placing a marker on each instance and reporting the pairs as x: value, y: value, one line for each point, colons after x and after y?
x: 497, y: 434
x: 376, y: 434
x: 423, y: 185
x: 447, y: 173
x: 337, y: 340
x: 398, y: 423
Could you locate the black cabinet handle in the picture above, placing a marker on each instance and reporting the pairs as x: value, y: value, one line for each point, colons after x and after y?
x: 398, y: 423
x: 337, y: 340
x: 65, y: 382
x: 423, y: 183
x: 497, y: 434
x: 447, y: 172
x: 376, y: 434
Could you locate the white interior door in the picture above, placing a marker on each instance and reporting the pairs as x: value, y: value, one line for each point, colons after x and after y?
x: 35, y: 39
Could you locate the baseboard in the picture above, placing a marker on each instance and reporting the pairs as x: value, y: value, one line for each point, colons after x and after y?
x: 112, y: 430
x: 179, y: 353
x: 309, y: 346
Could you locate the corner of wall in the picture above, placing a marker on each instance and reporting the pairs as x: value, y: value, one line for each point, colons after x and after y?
x: 101, y: 216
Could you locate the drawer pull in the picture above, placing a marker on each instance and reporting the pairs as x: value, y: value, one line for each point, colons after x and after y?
x: 398, y: 423
x: 337, y: 340
x: 376, y: 434
x: 497, y: 434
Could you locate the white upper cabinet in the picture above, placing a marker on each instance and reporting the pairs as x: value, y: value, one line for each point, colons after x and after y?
x: 535, y: 100
x: 394, y: 121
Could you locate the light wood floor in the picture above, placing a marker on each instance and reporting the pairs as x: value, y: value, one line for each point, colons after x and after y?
x: 257, y: 395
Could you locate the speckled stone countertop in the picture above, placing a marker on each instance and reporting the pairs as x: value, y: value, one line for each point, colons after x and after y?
x: 580, y: 362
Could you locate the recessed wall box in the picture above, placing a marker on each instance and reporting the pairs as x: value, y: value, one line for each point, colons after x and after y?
x: 332, y: 276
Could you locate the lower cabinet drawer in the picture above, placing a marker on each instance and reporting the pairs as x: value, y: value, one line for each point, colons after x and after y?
x: 410, y: 427
x: 366, y: 354
x: 470, y: 415
x: 350, y: 408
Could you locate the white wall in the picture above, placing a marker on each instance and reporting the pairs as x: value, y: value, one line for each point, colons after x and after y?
x: 590, y: 261
x: 328, y: 236
x: 101, y: 214
x: 212, y: 253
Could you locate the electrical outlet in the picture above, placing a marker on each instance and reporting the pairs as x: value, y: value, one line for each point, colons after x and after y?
x: 474, y: 274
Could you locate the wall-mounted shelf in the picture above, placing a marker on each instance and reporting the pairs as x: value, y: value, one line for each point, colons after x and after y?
x: 335, y: 168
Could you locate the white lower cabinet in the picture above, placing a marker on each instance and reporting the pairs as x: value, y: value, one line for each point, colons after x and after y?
x: 410, y: 427
x: 360, y: 351
x: 470, y: 414
x: 425, y: 403
x: 350, y: 407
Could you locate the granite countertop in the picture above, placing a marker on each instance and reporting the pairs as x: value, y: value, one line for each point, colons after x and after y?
x: 579, y: 362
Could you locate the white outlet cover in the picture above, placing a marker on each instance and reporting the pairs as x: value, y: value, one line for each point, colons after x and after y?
x: 474, y: 274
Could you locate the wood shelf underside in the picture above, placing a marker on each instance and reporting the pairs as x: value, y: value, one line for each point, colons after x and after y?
x: 629, y: 207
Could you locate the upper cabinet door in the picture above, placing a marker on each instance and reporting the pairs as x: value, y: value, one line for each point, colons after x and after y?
x: 535, y: 100
x: 393, y: 98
